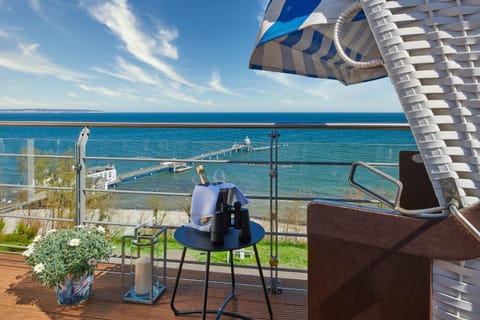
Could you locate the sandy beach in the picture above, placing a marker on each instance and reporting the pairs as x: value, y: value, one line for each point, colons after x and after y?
x: 119, y: 218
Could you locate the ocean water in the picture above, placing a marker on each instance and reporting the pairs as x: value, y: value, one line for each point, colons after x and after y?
x: 295, y: 147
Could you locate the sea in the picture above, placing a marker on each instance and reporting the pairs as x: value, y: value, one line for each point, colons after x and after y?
x: 302, y: 154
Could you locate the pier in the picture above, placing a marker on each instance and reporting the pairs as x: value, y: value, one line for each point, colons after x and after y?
x: 235, y: 148
x: 134, y: 175
x: 181, y: 166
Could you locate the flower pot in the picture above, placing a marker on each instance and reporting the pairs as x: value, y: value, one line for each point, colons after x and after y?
x: 74, y: 291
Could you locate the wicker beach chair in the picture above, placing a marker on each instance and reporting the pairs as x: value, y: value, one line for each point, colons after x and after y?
x: 431, y: 51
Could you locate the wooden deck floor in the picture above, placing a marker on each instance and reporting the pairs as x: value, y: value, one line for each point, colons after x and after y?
x: 23, y: 298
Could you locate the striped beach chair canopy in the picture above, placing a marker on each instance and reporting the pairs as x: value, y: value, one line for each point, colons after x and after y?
x: 297, y: 37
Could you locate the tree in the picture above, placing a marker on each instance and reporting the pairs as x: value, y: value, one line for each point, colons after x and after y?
x: 57, y: 172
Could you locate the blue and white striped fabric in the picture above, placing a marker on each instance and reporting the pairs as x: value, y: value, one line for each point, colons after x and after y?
x: 297, y: 37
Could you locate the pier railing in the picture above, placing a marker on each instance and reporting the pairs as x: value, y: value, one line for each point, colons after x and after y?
x: 280, y: 209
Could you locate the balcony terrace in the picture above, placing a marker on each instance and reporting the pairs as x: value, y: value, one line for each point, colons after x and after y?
x: 23, y: 298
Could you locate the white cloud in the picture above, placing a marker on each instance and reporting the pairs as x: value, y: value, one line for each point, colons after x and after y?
x: 216, y: 84
x: 117, y: 16
x: 180, y: 96
x: 165, y: 38
x: 126, y: 71
x: 282, y: 78
x: 7, y: 102
x: 101, y: 91
x: 157, y: 96
x: 28, y: 60
x: 356, y: 97
x: 28, y: 49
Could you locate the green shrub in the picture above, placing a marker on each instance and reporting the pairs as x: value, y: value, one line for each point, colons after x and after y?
x: 16, y: 239
x: 26, y: 229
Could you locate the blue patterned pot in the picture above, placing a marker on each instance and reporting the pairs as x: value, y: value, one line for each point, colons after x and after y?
x: 74, y: 291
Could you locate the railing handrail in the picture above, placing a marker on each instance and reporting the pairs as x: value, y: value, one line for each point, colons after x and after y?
x: 210, y: 125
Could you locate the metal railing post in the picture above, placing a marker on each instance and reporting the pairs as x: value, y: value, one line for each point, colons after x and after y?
x: 31, y: 168
x: 80, y: 168
x: 274, y: 135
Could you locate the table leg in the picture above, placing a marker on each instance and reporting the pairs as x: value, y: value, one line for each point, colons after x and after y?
x: 172, y: 302
x: 220, y: 311
x: 231, y: 295
x: 265, y: 291
x: 232, y: 271
x: 205, y: 286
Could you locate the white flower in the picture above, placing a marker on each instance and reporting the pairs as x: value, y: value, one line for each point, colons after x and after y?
x: 28, y: 252
x: 39, y: 268
x: 37, y: 238
x: 74, y: 242
x: 92, y: 262
x: 80, y: 226
x: 50, y: 231
x: 101, y: 229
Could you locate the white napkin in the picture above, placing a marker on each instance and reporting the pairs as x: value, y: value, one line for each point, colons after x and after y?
x: 204, y: 201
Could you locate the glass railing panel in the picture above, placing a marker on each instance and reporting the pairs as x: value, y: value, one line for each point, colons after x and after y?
x: 14, y: 155
x: 36, y: 186
x: 31, y: 168
x: 309, y: 169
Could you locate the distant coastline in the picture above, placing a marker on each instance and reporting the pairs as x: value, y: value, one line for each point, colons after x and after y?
x: 45, y: 110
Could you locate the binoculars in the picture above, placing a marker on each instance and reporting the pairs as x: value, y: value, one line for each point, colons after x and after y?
x: 222, y: 221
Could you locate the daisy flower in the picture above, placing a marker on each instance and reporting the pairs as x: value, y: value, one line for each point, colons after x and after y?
x: 39, y: 268
x: 50, y: 231
x: 74, y: 242
x: 28, y: 252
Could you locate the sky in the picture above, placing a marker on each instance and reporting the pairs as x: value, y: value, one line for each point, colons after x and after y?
x: 156, y: 56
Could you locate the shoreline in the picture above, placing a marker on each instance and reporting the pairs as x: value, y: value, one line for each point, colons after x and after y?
x: 123, y: 218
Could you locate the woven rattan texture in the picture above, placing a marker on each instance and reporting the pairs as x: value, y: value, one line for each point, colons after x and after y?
x: 456, y: 292
x: 431, y: 52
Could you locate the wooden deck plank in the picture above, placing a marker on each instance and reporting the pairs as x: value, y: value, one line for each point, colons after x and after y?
x: 23, y: 298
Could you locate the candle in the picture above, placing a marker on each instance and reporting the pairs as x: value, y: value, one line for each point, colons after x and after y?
x: 143, y: 275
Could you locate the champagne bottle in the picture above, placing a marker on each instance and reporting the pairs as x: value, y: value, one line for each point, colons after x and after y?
x: 201, y: 174
x: 203, y: 181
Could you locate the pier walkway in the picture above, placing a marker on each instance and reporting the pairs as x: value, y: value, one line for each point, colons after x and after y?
x: 171, y: 166
x: 133, y: 175
x: 235, y: 148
